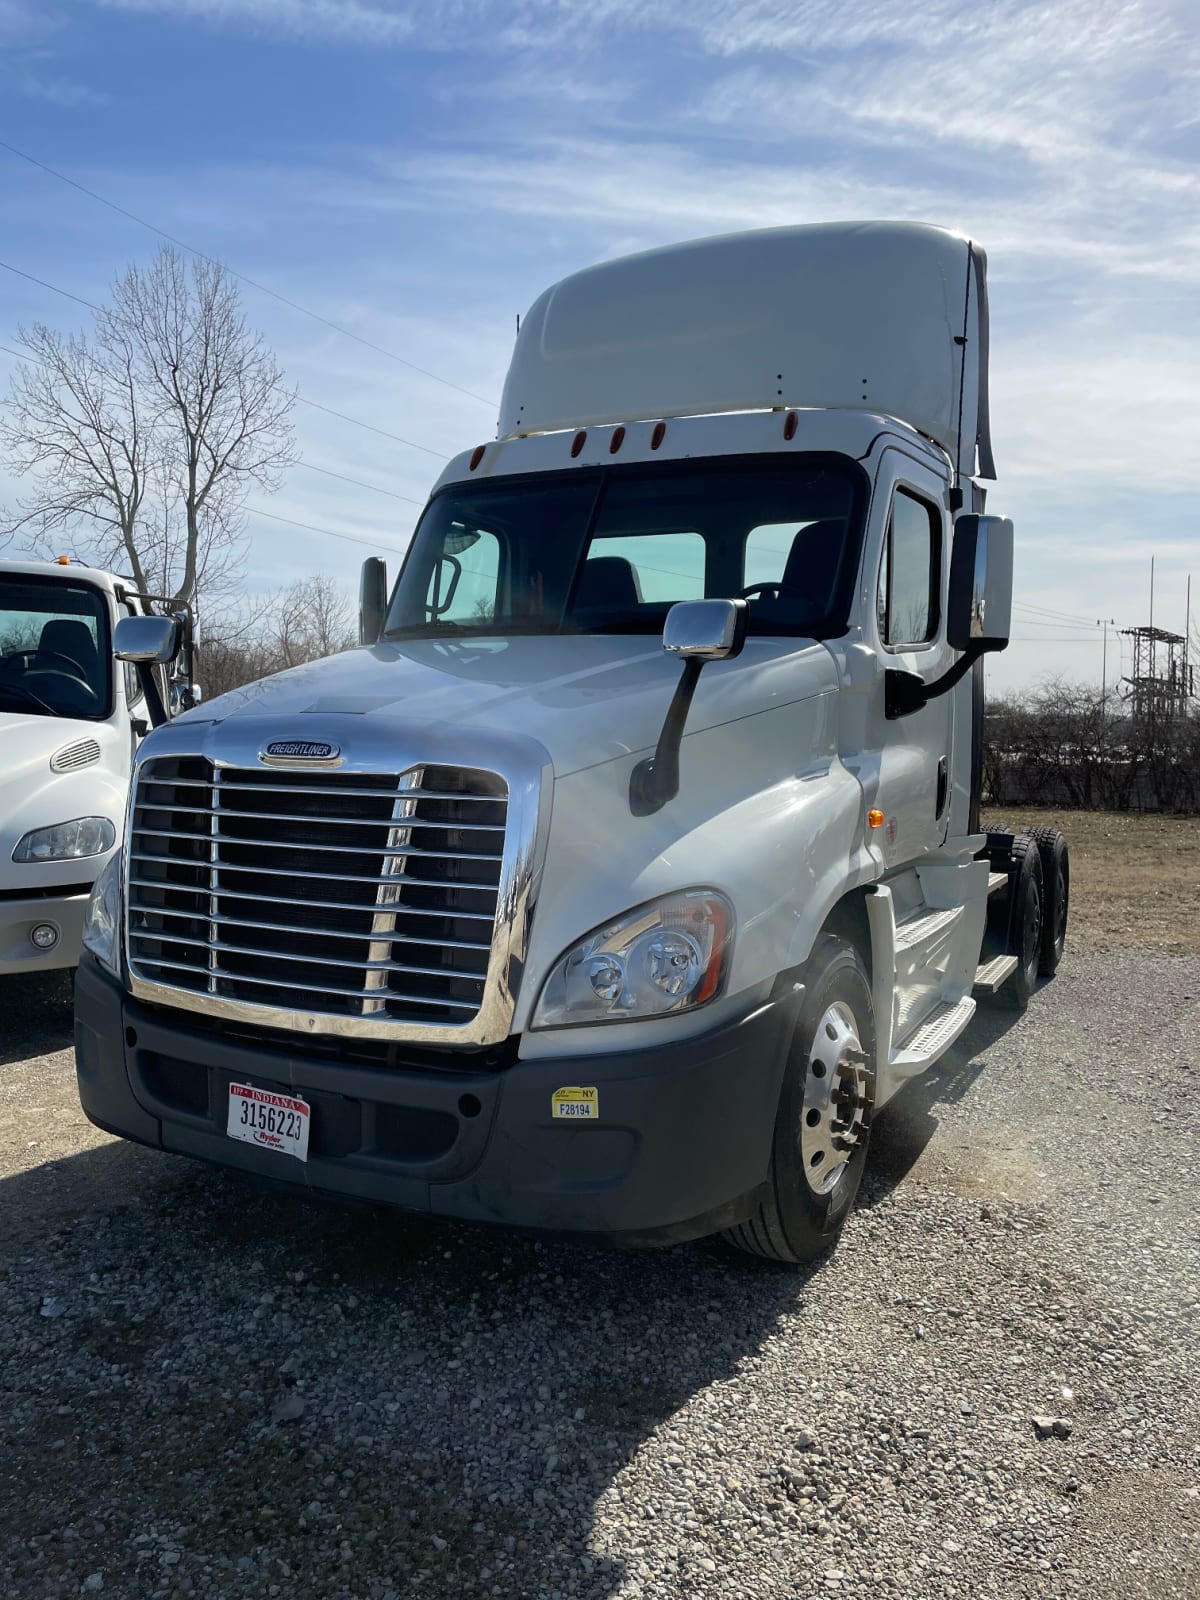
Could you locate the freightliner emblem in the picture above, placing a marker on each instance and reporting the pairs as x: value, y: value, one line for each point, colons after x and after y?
x: 283, y: 752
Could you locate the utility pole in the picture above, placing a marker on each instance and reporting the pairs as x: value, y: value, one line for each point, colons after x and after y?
x: 1106, y: 623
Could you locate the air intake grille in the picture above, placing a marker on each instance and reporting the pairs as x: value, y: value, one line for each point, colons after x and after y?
x: 73, y: 756
x: 360, y: 895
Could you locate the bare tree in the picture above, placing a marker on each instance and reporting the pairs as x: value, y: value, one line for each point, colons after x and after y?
x: 73, y: 422
x: 145, y: 439
x: 310, y: 619
x: 251, y: 639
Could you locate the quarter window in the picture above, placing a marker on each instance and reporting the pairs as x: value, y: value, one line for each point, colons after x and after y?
x: 909, y: 574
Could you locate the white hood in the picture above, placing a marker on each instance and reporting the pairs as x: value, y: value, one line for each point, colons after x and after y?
x: 34, y: 796
x: 587, y: 699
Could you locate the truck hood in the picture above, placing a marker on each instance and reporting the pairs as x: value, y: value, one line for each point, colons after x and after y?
x: 28, y: 742
x: 586, y: 698
x: 33, y: 796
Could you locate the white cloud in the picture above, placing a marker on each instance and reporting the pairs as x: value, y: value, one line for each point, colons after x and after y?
x: 341, y: 21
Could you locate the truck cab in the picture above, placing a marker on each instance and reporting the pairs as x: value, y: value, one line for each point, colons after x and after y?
x: 633, y: 861
x: 71, y: 719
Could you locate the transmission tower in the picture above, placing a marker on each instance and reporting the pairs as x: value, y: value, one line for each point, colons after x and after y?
x: 1161, y: 681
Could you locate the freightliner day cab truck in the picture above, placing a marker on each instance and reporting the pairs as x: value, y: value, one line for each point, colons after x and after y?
x: 633, y: 861
x: 70, y: 721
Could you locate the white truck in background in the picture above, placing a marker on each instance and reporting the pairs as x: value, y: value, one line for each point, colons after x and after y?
x: 634, y: 860
x: 71, y: 718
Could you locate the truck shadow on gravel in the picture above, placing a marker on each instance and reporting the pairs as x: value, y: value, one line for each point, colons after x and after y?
x: 907, y: 1124
x: 36, y: 1015
x: 252, y: 1389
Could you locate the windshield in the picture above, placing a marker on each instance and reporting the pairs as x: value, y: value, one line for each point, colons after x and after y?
x: 612, y: 551
x: 55, y: 655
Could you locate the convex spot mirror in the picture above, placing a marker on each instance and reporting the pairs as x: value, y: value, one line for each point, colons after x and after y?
x: 979, y: 608
x: 147, y: 641
x: 705, y: 630
x: 184, y: 697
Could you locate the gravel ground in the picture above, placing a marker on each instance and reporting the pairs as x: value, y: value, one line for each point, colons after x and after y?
x: 208, y: 1390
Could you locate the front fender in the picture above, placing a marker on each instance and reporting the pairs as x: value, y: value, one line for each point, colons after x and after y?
x: 766, y: 812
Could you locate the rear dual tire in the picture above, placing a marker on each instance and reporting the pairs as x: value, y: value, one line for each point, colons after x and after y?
x: 1030, y: 920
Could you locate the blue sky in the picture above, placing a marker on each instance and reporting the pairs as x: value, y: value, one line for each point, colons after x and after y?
x: 418, y: 172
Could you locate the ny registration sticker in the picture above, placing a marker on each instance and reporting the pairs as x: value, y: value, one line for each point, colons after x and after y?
x: 575, y: 1105
x: 272, y: 1121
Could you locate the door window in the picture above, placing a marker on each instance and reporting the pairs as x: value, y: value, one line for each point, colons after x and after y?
x: 909, y: 574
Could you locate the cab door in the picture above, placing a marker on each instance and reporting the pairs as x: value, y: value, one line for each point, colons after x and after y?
x: 910, y: 636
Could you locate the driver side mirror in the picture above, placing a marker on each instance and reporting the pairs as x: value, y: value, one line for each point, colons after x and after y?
x: 696, y: 631
x: 147, y: 641
x: 705, y: 630
x: 372, y: 600
x: 979, y: 608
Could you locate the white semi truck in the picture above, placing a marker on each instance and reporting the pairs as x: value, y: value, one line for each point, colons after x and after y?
x: 71, y: 718
x: 633, y: 861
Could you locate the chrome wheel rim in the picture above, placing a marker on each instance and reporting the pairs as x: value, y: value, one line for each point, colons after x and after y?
x: 1033, y: 927
x: 834, y: 1118
x: 1060, y: 908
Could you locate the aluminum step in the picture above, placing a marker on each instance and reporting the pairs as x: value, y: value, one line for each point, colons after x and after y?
x: 933, y: 1037
x: 991, y: 976
x: 925, y: 926
x: 996, y: 880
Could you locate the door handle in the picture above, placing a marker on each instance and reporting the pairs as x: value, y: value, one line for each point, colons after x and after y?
x: 943, y: 786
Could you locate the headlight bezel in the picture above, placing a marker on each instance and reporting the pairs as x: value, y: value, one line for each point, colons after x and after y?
x: 102, y: 917
x: 104, y: 828
x: 682, y: 938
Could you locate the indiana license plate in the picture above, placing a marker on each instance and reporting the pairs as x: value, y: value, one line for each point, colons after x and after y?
x: 272, y: 1121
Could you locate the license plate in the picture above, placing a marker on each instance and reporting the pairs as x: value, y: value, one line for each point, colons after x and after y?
x: 271, y: 1121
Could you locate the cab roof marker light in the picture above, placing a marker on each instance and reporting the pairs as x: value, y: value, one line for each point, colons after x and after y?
x: 659, y: 434
x: 617, y: 440
x: 578, y: 442
x: 476, y: 456
x: 789, y: 426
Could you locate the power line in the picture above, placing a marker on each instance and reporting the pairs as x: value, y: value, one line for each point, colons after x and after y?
x: 66, y: 293
x: 372, y: 544
x: 1053, y: 622
x: 371, y: 428
x: 302, y: 399
x: 341, y: 476
x: 1046, y: 611
x: 261, y: 287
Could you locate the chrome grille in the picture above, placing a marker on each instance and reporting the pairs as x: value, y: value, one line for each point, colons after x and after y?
x: 345, y: 894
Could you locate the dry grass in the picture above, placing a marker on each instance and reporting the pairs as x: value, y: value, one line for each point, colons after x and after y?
x: 1135, y: 880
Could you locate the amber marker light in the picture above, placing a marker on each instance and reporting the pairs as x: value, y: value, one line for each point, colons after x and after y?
x: 875, y: 818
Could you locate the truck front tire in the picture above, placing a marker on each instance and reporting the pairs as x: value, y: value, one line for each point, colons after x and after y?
x: 824, y: 1120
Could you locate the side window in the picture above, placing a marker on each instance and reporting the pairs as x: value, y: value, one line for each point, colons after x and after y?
x: 465, y: 581
x: 133, y: 685
x: 909, y: 574
x: 663, y: 566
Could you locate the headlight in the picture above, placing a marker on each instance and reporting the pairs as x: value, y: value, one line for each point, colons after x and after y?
x: 659, y: 959
x: 102, y: 919
x: 67, y: 841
